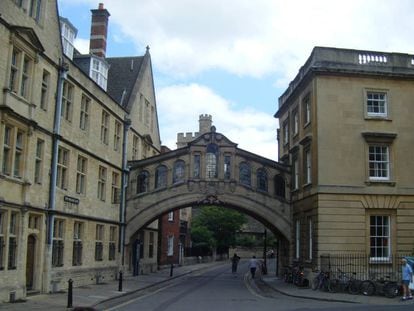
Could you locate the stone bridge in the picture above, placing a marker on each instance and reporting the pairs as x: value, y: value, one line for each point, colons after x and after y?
x: 211, y: 170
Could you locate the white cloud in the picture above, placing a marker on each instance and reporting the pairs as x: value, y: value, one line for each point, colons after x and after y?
x: 181, y: 105
x: 82, y: 45
x: 259, y: 37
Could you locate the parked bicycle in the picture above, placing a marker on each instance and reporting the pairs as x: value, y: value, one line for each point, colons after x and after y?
x: 381, y: 286
x: 298, y: 275
x: 321, y: 281
x: 288, y: 274
x: 345, y: 283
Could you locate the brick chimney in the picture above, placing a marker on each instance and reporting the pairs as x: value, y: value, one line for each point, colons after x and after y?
x: 99, y: 30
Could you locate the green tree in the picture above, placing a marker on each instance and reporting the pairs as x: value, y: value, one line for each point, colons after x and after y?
x: 222, y: 225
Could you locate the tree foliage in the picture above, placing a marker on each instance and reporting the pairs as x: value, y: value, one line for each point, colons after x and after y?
x: 217, y: 227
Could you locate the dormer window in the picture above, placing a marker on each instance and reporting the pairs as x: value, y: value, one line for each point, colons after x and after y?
x: 68, y: 37
x: 99, y: 72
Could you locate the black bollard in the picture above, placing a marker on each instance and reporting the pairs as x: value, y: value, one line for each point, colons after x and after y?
x: 120, y: 282
x: 70, y: 293
x: 171, y: 270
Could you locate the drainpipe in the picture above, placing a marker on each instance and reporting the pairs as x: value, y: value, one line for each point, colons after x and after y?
x: 62, y: 75
x: 122, y: 205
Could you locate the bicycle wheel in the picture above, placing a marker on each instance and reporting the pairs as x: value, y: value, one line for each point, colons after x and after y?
x: 368, y: 288
x: 354, y: 287
x: 315, y: 283
x: 391, y: 290
x: 333, y: 285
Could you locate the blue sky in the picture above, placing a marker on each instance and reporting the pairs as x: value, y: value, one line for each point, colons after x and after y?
x: 233, y: 59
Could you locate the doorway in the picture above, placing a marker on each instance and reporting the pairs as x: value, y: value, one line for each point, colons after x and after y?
x: 30, y: 261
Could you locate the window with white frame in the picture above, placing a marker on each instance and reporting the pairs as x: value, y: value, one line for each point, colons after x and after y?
x: 171, y: 216
x: 81, y: 171
x: 105, y: 127
x: 62, y: 168
x: 102, y: 183
x: 117, y: 136
x: 44, y: 93
x: 170, y: 245
x: 376, y: 104
x: 38, y: 173
x: 68, y: 38
x: 297, y: 239
x: 380, y: 238
x: 84, y: 113
x: 67, y: 101
x: 379, y: 162
x: 99, y: 72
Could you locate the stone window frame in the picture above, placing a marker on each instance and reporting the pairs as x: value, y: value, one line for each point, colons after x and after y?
x: 378, y: 139
x: 78, y: 233
x: 81, y: 174
x: 116, y: 188
x: 102, y: 180
x: 14, y: 150
x: 39, y: 159
x: 58, y: 242
x: 84, y: 112
x: 112, y: 243
x: 245, y: 174
x: 376, y: 102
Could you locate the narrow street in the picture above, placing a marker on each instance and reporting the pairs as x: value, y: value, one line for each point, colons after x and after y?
x: 219, y: 290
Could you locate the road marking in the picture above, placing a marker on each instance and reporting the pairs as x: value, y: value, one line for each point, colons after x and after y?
x: 139, y: 298
x: 249, y: 287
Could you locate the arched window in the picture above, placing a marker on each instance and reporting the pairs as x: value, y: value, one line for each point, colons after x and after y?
x: 280, y: 186
x: 143, y: 182
x: 161, y: 177
x: 261, y: 176
x: 211, y: 161
x: 179, y: 171
x: 245, y: 174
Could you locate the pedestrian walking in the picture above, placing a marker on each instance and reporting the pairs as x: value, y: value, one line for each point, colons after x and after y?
x: 253, y: 263
x: 407, y: 275
x: 234, y: 262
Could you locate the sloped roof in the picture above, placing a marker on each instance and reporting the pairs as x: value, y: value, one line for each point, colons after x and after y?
x: 122, y: 76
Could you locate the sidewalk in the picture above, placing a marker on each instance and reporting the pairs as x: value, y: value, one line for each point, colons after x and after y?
x: 92, y: 295
x: 291, y: 290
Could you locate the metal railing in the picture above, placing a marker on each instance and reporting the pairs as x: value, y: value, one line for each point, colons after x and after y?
x: 363, y: 266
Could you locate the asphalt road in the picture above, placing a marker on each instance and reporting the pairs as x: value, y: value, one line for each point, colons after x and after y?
x: 219, y: 290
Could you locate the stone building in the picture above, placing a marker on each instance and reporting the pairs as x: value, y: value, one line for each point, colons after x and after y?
x: 346, y: 130
x: 69, y: 124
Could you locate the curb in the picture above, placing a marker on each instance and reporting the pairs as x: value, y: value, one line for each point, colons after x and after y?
x: 306, y: 297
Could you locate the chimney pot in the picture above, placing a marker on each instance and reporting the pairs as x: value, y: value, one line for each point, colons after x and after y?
x: 99, y: 30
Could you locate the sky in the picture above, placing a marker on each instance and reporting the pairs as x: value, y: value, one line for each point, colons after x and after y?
x: 232, y: 59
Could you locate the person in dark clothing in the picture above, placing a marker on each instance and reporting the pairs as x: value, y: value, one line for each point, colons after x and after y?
x: 234, y: 262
